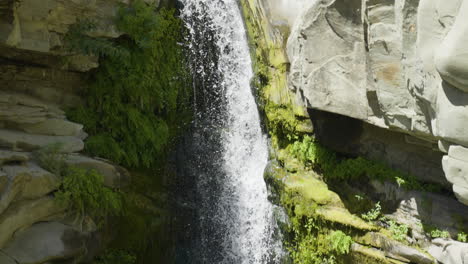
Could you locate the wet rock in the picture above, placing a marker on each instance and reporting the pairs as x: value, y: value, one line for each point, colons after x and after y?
x: 27, y: 181
x: 45, y: 242
x: 23, y: 214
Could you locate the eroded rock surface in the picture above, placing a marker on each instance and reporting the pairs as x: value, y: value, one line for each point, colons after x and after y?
x: 399, y: 65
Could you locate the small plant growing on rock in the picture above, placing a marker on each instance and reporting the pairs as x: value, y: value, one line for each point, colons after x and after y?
x: 340, y: 242
x: 437, y: 233
x: 399, y: 231
x: 462, y: 237
x: 84, y: 192
x: 373, y: 214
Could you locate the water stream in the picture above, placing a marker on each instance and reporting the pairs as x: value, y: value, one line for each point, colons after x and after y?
x: 226, y: 153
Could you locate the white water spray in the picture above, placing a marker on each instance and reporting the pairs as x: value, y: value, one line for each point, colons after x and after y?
x: 242, y: 205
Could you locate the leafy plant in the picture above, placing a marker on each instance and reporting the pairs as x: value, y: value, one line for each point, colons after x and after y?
x: 340, y: 242
x: 82, y: 191
x: 373, y: 214
x: 344, y: 169
x: 399, y: 231
x: 462, y: 237
x: 137, y: 100
x: 437, y: 233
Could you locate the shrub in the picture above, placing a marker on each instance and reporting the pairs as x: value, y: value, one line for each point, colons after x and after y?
x: 83, y: 191
x: 437, y: 233
x: 137, y: 99
x: 345, y: 169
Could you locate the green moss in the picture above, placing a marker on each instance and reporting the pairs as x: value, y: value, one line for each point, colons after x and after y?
x: 339, y: 169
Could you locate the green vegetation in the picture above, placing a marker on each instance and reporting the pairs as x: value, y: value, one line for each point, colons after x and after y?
x: 82, y: 191
x: 399, y: 231
x: 437, y: 233
x: 373, y: 214
x: 345, y: 169
x: 137, y: 100
x: 115, y: 257
x: 314, y: 245
x: 462, y: 237
x: 340, y: 242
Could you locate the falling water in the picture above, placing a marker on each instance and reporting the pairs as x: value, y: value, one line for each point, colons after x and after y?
x: 227, y: 152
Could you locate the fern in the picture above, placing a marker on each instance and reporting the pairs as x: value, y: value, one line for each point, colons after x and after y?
x: 373, y: 214
x: 138, y: 99
x: 83, y: 191
x: 340, y: 242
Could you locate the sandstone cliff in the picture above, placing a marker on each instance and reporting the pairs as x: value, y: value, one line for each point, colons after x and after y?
x: 39, y: 79
x: 385, y: 80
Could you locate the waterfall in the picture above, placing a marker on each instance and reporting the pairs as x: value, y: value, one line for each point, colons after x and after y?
x: 226, y: 153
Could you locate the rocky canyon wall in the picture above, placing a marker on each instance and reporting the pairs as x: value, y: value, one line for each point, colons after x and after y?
x: 396, y: 65
x: 399, y: 65
x: 385, y: 80
x: 39, y: 79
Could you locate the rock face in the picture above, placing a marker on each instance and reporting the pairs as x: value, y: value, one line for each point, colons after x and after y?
x: 39, y: 78
x: 381, y: 79
x: 450, y: 252
x: 398, y: 65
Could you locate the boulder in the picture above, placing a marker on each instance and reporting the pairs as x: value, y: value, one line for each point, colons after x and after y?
x: 456, y: 171
x: 27, y: 182
x: 44, y: 242
x: 461, y: 193
x: 28, y: 142
x: 455, y: 166
x: 458, y: 152
x: 23, y: 214
x: 449, y: 252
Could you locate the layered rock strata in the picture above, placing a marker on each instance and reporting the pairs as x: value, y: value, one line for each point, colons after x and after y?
x: 39, y: 78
